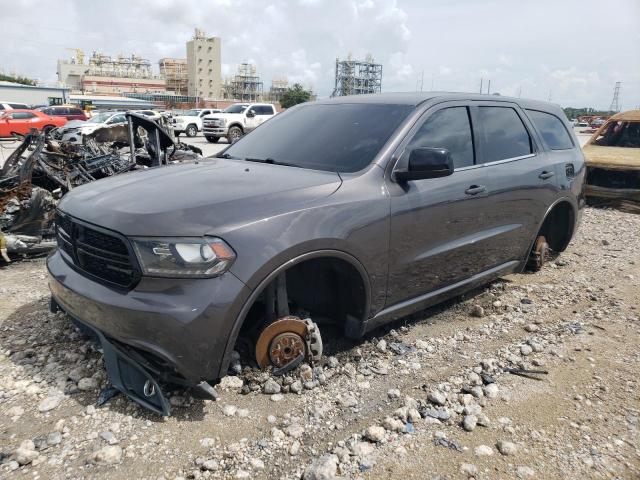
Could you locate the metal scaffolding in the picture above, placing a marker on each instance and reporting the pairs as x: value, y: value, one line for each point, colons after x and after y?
x: 278, y: 87
x: 356, y: 77
x: 245, y: 85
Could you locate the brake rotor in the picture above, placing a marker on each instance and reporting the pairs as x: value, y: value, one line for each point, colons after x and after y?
x: 283, y: 341
x: 539, y: 254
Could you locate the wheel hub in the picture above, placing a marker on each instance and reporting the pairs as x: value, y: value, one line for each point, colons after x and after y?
x: 286, y: 339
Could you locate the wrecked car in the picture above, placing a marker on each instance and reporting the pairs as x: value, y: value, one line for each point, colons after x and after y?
x: 613, y: 159
x: 351, y: 212
x: 44, y: 167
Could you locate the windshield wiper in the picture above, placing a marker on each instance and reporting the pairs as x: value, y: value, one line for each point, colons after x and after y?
x: 270, y: 161
x: 225, y: 155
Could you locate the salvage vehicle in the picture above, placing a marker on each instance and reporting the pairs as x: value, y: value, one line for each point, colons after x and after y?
x: 352, y: 211
x: 76, y: 129
x: 68, y: 112
x: 190, y: 122
x: 20, y: 122
x: 13, y: 106
x: 613, y: 159
x: 236, y: 121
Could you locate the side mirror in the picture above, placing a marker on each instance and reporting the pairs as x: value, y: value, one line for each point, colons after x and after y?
x: 251, y: 114
x: 426, y: 162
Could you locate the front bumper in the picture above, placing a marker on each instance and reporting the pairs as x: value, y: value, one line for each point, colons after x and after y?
x: 180, y: 325
x: 215, y: 131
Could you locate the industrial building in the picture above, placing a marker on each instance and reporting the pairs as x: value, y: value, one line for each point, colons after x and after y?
x: 278, y: 87
x: 356, y: 77
x: 204, y: 66
x: 245, y: 85
x: 108, y: 75
x: 32, y: 95
x: 175, y: 73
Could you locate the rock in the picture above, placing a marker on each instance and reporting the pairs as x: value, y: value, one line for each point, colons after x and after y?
x: 208, y: 442
x: 483, y: 451
x: 49, y: 403
x: 362, y: 449
x: 276, y: 397
x: 277, y: 434
x: 393, y: 394
x: 382, y: 345
x: 532, y: 327
x: 323, y: 468
x: 421, y: 345
x: 393, y: 425
x: 295, y: 431
x: 231, y: 382
x: 525, y: 472
x: 437, y: 397
x: 87, y: 384
x: 109, y: 437
x: 242, y: 474
x: 272, y: 419
x: 477, y: 311
x: 491, y: 390
x: 271, y: 386
x: 211, y: 465
x: 506, y: 448
x: 109, y: 455
x: 54, y: 438
x: 242, y: 413
x: 469, y: 469
x: 333, y: 362
x: 306, y: 373
x: 257, y: 463
x: 294, y: 449
x: 229, y: 410
x: 374, y: 433
x: 525, y: 350
x: 16, y: 411
x: 26, y: 453
x: 469, y: 422
x: 483, y: 420
x: 296, y: 387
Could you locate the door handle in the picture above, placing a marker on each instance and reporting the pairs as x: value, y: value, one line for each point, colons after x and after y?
x: 545, y: 175
x: 475, y: 189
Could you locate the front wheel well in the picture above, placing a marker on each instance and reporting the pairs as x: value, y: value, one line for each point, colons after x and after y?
x: 236, y: 125
x: 326, y: 289
x: 558, y: 226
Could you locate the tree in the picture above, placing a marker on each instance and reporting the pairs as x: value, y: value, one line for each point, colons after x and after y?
x: 21, y: 80
x: 295, y: 95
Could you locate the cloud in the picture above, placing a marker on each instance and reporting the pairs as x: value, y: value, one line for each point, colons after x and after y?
x: 533, y: 47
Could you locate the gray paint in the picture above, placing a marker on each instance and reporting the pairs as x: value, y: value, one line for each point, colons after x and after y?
x: 414, y: 244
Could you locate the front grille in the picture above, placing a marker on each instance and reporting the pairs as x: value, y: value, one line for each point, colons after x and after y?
x: 94, y: 252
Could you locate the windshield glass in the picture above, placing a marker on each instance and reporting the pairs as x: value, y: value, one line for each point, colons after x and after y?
x: 100, y: 118
x: 620, y: 134
x: 238, y: 108
x: 341, y: 137
x: 191, y: 113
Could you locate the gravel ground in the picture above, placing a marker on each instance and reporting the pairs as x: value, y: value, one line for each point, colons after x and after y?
x: 428, y: 397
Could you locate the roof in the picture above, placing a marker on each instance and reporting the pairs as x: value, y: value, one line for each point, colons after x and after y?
x: 417, y: 98
x: 630, y: 116
x: 4, y: 84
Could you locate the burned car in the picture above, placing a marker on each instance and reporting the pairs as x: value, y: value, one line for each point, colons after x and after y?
x: 613, y: 159
x: 45, y: 167
x: 350, y: 211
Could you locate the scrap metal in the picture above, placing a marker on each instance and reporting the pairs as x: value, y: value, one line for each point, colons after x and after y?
x: 45, y: 167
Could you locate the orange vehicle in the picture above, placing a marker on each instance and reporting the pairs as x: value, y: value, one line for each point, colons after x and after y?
x: 21, y: 122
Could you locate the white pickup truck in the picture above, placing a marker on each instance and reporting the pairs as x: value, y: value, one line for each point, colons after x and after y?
x: 236, y: 120
x: 190, y: 122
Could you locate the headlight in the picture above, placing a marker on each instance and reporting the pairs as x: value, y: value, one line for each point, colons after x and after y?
x: 183, y: 257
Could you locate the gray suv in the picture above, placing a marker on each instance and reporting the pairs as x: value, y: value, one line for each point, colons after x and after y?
x: 352, y: 210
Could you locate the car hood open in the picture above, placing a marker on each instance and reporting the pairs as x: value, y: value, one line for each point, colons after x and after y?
x: 207, y: 197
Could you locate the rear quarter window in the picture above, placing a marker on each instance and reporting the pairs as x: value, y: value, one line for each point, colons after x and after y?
x: 504, y: 136
x: 551, y: 129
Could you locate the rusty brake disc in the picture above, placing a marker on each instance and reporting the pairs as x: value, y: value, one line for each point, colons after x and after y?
x: 284, y: 340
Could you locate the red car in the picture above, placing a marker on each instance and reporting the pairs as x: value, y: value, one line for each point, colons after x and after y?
x: 22, y: 121
x: 70, y: 113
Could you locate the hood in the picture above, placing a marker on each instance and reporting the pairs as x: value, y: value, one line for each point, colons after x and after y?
x: 208, y: 197
x: 617, y: 158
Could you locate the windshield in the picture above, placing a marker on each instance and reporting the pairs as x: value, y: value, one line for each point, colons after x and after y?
x: 191, y: 113
x: 238, y: 108
x: 100, y: 118
x: 341, y: 137
x: 619, y: 134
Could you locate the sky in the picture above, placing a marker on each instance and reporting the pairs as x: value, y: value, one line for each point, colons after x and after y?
x: 568, y: 51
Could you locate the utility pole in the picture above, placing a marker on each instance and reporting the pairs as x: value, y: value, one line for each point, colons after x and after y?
x: 489, y: 88
x: 422, y: 81
x: 481, y: 79
x: 519, y: 91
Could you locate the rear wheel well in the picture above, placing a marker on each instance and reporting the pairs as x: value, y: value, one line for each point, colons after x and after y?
x: 558, y: 226
x: 326, y: 289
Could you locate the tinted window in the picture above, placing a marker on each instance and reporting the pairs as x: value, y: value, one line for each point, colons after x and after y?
x: 48, y: 111
x: 1, y: 107
x: 17, y: 105
x: 504, y: 134
x: 75, y: 111
x: 22, y: 115
x: 552, y: 129
x: 340, y: 137
x: 448, y: 128
x: 263, y: 110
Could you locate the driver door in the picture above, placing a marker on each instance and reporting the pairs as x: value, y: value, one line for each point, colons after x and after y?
x: 437, y: 232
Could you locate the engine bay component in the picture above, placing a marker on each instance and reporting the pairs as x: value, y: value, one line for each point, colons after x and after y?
x: 284, y: 340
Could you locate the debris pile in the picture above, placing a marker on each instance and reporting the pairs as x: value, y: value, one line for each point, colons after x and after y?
x: 48, y: 164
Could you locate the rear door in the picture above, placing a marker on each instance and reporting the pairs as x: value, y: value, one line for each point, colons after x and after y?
x: 522, y: 178
x: 437, y: 234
